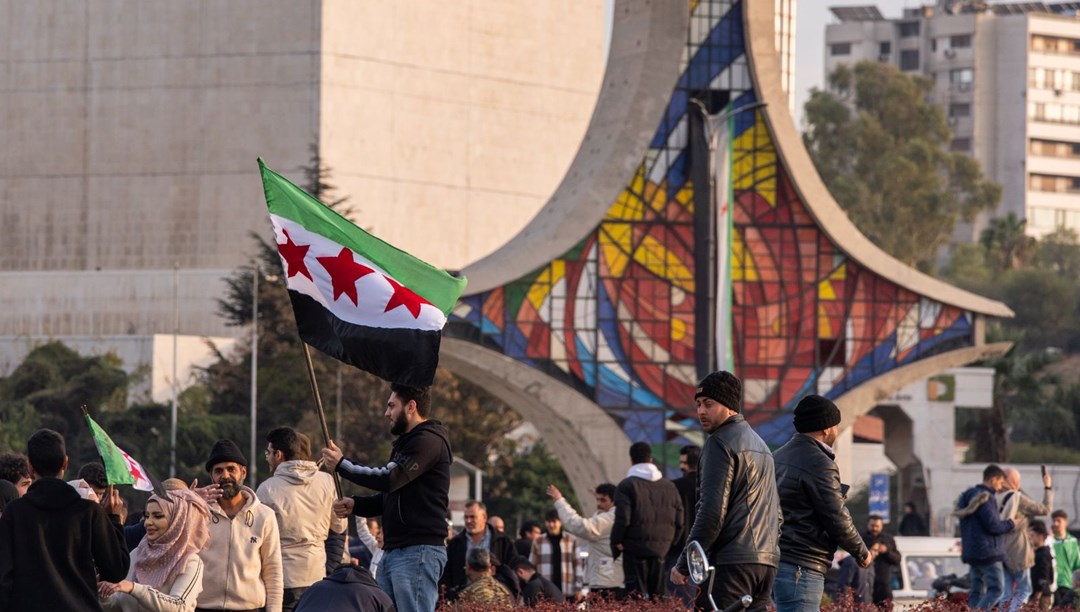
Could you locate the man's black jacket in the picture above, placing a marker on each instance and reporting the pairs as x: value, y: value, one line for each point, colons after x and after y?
x: 815, y: 519
x: 502, y: 552
x: 53, y: 543
x: 539, y: 588
x: 348, y: 588
x: 884, y: 564
x: 688, y: 492
x: 648, y: 517
x: 415, y: 487
x: 738, y: 515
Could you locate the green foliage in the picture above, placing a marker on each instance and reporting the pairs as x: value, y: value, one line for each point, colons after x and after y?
x: 1025, y: 452
x: 516, y: 484
x: 887, y: 162
x: 1007, y: 244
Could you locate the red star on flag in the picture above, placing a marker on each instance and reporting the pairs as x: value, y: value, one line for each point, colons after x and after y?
x: 294, y: 254
x: 404, y: 296
x: 344, y: 272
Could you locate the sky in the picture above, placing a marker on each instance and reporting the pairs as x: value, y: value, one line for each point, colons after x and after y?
x: 811, y: 18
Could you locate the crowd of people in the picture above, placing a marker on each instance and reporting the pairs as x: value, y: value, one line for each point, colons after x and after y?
x: 769, y: 522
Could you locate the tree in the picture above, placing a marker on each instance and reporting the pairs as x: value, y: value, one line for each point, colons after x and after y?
x: 516, y: 484
x: 882, y: 150
x: 1059, y: 252
x: 1006, y: 242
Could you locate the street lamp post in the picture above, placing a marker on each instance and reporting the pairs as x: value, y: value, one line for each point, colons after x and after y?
x: 720, y: 317
x: 253, y: 463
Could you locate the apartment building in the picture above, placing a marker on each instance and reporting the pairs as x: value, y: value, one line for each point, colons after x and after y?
x: 1008, y: 76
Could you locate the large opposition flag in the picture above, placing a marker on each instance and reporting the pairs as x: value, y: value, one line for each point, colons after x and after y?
x: 120, y: 468
x: 355, y: 297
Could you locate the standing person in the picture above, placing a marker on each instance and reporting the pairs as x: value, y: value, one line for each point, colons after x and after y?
x: 1042, y: 572
x: 815, y: 519
x: 166, y: 572
x: 478, y: 533
x: 981, y: 531
x: 243, y: 559
x: 604, y: 573
x: 738, y: 515
x: 413, y: 499
x: 15, y: 469
x: 302, y: 499
x: 1066, y: 555
x: 555, y: 556
x: 648, y: 523
x: 886, y: 558
x: 54, y: 543
x: 530, y: 532
x: 1019, y: 554
x: 912, y: 523
x: 689, y: 456
x: 497, y: 523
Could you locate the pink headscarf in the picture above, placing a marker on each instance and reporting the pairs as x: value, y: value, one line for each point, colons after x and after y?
x: 188, y: 532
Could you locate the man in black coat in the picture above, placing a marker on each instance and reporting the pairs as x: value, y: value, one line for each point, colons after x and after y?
x: 535, y: 586
x: 886, y: 558
x: 738, y: 515
x: 815, y: 519
x: 350, y: 587
x: 478, y: 533
x: 648, y: 523
x: 54, y: 543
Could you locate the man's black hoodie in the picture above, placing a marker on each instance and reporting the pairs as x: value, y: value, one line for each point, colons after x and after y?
x: 414, y: 485
x: 53, y: 543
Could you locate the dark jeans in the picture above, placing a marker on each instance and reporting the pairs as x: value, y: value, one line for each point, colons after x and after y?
x: 290, y: 598
x: 644, y: 576
x: 734, y: 581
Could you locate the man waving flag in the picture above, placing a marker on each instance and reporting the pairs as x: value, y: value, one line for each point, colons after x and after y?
x: 355, y: 297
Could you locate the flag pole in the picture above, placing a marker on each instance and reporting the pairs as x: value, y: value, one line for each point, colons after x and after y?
x: 319, y: 408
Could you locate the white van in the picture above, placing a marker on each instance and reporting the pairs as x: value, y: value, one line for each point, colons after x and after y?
x: 921, y: 561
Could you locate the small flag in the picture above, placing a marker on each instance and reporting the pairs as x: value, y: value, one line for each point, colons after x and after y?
x: 355, y: 297
x: 120, y: 468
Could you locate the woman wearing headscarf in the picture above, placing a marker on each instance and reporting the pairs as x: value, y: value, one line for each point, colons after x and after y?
x: 166, y: 571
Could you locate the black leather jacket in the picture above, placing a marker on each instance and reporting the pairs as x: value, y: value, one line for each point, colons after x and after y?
x: 815, y: 519
x: 738, y: 514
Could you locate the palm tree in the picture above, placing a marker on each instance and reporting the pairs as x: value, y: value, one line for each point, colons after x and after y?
x: 1007, y: 243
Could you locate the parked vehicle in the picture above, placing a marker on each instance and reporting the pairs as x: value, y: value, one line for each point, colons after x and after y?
x: 922, y: 561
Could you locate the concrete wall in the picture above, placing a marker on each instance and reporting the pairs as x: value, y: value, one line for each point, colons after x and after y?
x: 132, y: 128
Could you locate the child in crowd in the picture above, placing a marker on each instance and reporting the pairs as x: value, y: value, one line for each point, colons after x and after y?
x: 1042, y: 573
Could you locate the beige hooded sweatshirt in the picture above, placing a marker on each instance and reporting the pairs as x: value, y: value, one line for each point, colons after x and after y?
x: 243, y: 559
x: 302, y: 497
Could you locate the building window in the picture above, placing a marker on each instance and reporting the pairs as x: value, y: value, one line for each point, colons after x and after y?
x: 1054, y: 184
x: 959, y: 110
x: 909, y: 59
x: 1038, y: 216
x: 961, y: 78
x: 909, y: 29
x: 960, y: 145
x: 885, y: 48
x: 1054, y: 44
x: 962, y: 41
x: 840, y: 48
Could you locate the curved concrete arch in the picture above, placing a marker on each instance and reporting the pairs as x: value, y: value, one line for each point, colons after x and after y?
x: 647, y: 41
x: 590, y: 445
x: 866, y: 396
x: 765, y: 70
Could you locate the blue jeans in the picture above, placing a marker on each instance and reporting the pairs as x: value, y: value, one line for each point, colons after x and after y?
x: 797, y: 589
x: 410, y: 576
x: 1018, y: 595
x: 986, y: 585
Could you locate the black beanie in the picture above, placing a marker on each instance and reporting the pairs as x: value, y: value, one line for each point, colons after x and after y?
x: 225, y: 451
x: 815, y: 413
x: 722, y: 387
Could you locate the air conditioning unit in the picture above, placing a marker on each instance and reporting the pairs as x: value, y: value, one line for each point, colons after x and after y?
x: 883, y: 58
x: 953, y: 120
x: 963, y: 86
x: 1058, y: 92
x: 950, y: 53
